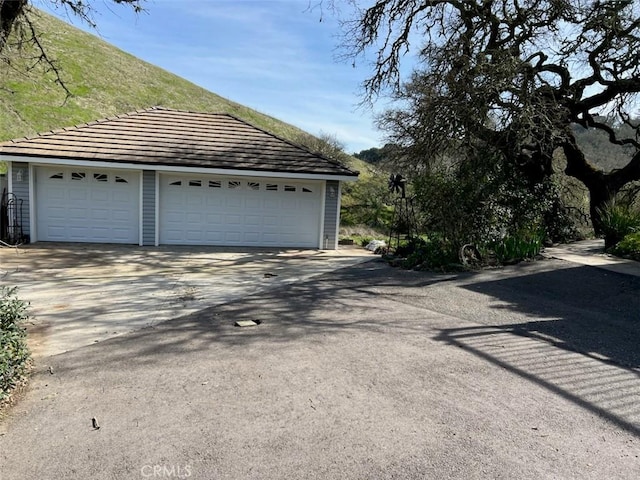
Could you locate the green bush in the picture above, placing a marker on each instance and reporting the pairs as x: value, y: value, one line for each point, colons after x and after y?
x: 430, y: 253
x: 618, y: 219
x: 522, y: 246
x: 14, y: 354
x: 484, y: 201
x: 629, y: 246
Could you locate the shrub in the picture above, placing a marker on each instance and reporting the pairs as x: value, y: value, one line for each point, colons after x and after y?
x: 14, y: 354
x: 522, y: 246
x: 618, y: 219
x: 629, y: 246
x: 427, y: 253
x: 484, y: 201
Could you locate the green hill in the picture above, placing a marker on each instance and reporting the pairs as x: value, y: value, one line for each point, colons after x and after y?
x: 104, y: 81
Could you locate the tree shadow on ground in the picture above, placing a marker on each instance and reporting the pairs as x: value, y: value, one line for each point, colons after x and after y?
x: 286, y: 314
x: 582, y: 309
x: 581, y: 342
x: 572, y: 331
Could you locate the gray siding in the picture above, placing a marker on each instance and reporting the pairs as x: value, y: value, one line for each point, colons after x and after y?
x: 20, y: 188
x: 331, y: 215
x: 149, y: 207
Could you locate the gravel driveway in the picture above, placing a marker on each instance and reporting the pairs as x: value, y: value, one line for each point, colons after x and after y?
x: 529, y: 372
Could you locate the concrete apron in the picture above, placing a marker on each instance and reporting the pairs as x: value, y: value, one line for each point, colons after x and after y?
x: 591, y: 253
x: 81, y: 294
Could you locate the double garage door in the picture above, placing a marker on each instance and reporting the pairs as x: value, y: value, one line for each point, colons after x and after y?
x: 206, y: 210
x: 103, y: 206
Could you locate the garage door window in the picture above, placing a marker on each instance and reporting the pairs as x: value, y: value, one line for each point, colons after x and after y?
x: 78, y: 176
x: 57, y: 176
x: 215, y: 184
x: 253, y: 185
x: 101, y: 177
x: 234, y: 184
x: 195, y: 183
x: 120, y: 180
x: 272, y: 187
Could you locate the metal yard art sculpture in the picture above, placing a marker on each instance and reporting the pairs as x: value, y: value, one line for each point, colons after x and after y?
x: 403, y: 223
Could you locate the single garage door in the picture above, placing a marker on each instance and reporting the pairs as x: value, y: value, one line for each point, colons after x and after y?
x: 207, y: 210
x: 87, y: 205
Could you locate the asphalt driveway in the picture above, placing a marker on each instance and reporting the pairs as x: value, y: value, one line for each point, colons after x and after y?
x: 82, y: 293
x: 528, y: 372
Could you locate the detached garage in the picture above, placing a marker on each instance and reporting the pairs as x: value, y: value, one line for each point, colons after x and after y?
x: 168, y: 177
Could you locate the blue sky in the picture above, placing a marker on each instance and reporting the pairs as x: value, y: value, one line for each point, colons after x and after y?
x: 275, y: 56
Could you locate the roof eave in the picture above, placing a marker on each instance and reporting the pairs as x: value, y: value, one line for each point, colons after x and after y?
x: 249, y: 172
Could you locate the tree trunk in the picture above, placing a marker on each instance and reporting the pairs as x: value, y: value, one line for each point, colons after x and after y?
x: 593, y: 178
x: 603, y: 187
x: 601, y: 194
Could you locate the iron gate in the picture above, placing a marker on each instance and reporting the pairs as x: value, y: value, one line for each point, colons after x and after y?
x: 11, y: 219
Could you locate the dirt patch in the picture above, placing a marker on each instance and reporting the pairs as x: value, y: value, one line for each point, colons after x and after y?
x: 37, y: 334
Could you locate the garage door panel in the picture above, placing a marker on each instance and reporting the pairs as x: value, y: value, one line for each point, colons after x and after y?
x: 78, y: 213
x: 254, y: 203
x: 194, y: 218
x: 77, y: 233
x: 213, y: 201
x: 54, y: 193
x: 214, y: 238
x: 78, y: 195
x: 234, y: 202
x: 195, y: 202
x: 56, y: 213
x: 232, y: 238
x: 101, y: 234
x: 100, y: 214
x: 56, y: 232
x: 233, y: 220
x: 271, y: 204
x: 173, y: 217
x: 214, y: 219
x: 271, y: 238
x: 83, y: 205
x: 173, y: 236
x: 100, y: 195
x: 253, y: 220
x: 194, y: 235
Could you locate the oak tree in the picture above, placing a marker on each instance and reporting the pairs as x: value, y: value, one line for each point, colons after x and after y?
x: 514, y: 76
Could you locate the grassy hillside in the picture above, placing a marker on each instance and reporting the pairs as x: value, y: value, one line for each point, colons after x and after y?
x: 104, y: 81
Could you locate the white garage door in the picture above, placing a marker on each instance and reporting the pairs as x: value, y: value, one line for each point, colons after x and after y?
x: 206, y: 210
x: 87, y: 205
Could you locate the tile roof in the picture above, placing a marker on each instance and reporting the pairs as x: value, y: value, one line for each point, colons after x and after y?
x: 161, y: 136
